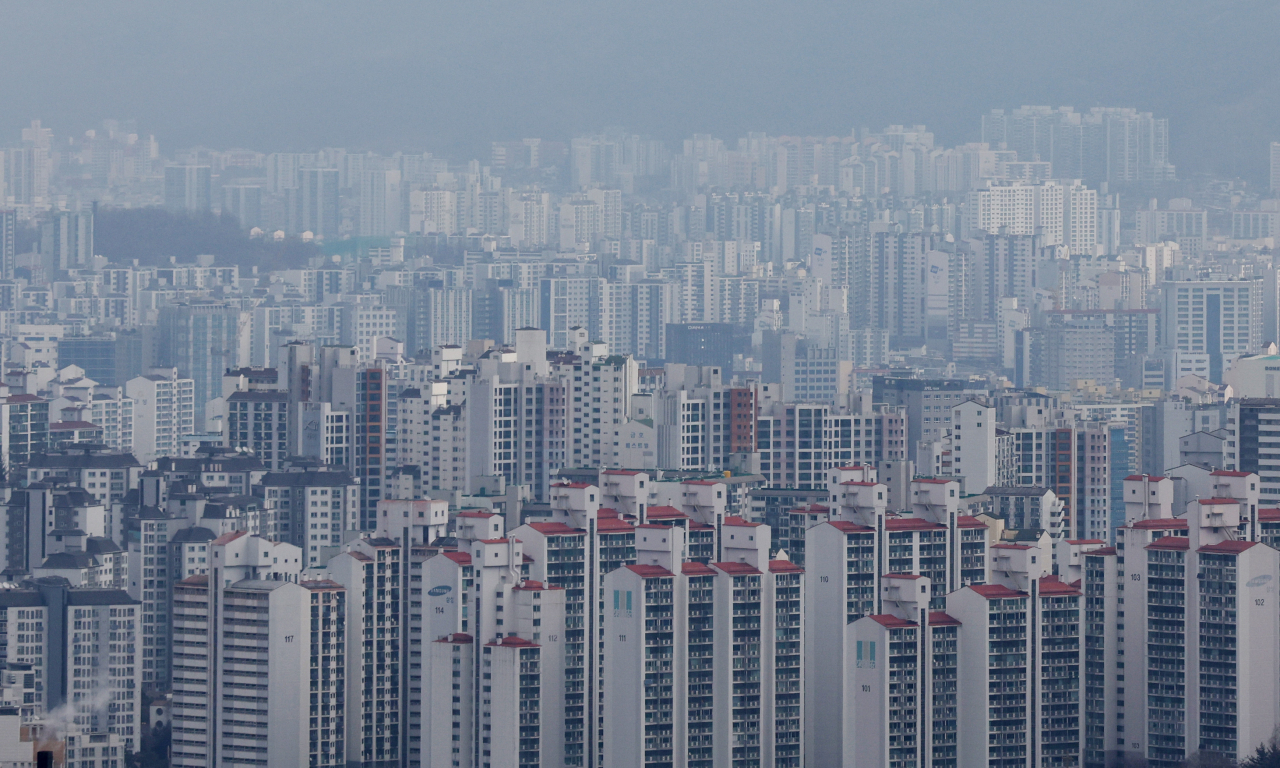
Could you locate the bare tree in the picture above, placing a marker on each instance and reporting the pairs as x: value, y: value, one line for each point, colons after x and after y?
x: 1203, y: 759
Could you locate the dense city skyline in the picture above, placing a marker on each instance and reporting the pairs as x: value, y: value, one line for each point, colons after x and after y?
x: 293, y: 79
x: 640, y: 385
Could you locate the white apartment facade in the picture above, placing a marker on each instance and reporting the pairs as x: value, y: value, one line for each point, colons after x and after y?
x: 853, y: 557
x: 163, y: 411
x: 258, y: 424
x: 311, y: 509
x: 1218, y: 318
x: 1018, y: 208
x: 260, y: 673
x: 81, y: 645
x: 716, y: 678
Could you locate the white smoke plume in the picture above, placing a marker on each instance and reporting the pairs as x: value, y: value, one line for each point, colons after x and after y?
x: 93, y: 710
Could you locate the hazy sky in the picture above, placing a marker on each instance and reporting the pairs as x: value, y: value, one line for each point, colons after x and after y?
x: 450, y: 76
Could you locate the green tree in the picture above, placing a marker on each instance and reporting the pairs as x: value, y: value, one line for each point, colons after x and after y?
x: 154, y: 749
x: 152, y: 235
x: 1266, y: 756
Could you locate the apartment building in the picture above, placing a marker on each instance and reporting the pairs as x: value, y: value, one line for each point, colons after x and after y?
x: 1168, y: 609
x: 1218, y: 318
x: 164, y: 410
x: 510, y: 705
x: 258, y: 424
x: 1027, y: 508
x: 799, y: 443
x: 149, y: 534
x: 717, y: 677
x: 109, y: 410
x: 1019, y: 672
x: 1252, y: 427
x: 901, y: 692
x: 252, y: 656
x: 310, y: 509
x: 384, y: 574
x: 852, y: 557
x: 696, y: 416
x: 372, y: 572
x: 81, y: 644
x: 575, y: 552
x: 106, y: 476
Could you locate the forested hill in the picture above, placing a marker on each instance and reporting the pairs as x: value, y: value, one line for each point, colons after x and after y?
x: 152, y: 235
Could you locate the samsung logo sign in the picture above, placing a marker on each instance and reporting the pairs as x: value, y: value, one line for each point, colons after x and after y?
x: 443, y: 589
x: 1258, y: 581
x: 1272, y: 368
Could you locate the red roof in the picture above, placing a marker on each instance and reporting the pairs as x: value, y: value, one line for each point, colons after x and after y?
x: 510, y: 641
x: 1228, y: 473
x: 937, y: 480
x: 1102, y: 551
x: 848, y: 527
x: 969, y: 521
x: 1085, y: 541
x: 940, y: 619
x: 911, y: 524
x: 697, y: 569
x: 534, y: 586
x: 1213, y: 502
x: 649, y: 571
x: 737, y: 569
x: 477, y: 513
x: 996, y: 591
x: 318, y: 584
x: 613, y: 525
x: 494, y: 541
x: 227, y: 538
x: 784, y: 566
x: 890, y: 621
x: 461, y: 558
x: 1004, y: 545
x: 1227, y: 547
x: 1170, y: 542
x: 572, y: 485
x: 553, y: 529
x: 699, y: 482
x: 1270, y: 515
x: 1052, y: 585
x: 812, y: 509
x: 457, y: 638
x: 1165, y: 524
x: 739, y: 522
x: 1152, y: 478
x: 663, y: 512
